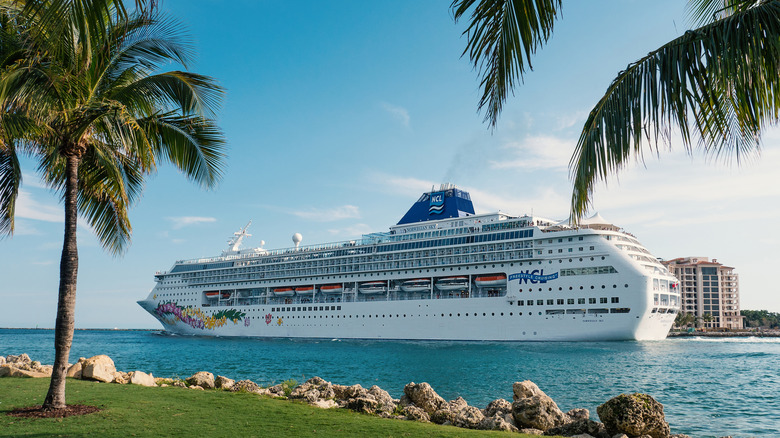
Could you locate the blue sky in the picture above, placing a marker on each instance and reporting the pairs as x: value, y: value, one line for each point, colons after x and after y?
x: 340, y: 114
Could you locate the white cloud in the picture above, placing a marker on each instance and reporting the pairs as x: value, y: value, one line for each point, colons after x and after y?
x: 183, y: 221
x: 29, y: 208
x: 398, y: 113
x: 565, y: 121
x: 537, y: 152
x: 329, y: 215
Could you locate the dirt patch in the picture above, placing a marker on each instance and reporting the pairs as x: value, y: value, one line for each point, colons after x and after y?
x: 68, y: 411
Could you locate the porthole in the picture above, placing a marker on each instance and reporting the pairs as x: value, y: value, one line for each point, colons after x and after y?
x: 581, y: 287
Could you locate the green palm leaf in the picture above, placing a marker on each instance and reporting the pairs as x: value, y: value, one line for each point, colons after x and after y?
x: 502, y: 37
x: 717, y: 86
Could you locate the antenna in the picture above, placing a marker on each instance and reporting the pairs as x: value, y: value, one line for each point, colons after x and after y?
x: 235, y: 242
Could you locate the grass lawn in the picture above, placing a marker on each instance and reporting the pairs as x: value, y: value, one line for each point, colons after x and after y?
x: 137, y: 411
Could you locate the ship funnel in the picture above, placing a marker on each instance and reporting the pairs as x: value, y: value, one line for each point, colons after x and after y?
x: 296, y: 238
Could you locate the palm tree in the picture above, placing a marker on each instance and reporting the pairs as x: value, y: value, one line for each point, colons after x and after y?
x: 716, y: 84
x: 104, y: 119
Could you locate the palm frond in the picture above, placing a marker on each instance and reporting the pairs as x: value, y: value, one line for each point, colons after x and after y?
x: 10, y: 179
x: 195, y: 145
x: 702, y: 12
x: 502, y: 37
x: 717, y: 85
x: 188, y: 92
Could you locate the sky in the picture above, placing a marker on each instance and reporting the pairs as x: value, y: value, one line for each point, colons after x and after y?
x: 339, y: 115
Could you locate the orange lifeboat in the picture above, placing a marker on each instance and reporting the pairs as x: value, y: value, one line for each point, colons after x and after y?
x: 491, y: 280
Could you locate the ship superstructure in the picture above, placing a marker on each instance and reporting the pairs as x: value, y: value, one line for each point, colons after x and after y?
x: 443, y: 273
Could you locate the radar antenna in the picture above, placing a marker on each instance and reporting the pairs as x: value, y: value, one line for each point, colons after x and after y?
x: 235, y: 242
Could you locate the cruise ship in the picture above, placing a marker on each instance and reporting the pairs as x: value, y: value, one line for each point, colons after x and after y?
x: 441, y: 273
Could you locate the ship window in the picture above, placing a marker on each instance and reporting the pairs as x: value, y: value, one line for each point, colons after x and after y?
x: 540, y: 302
x: 570, y: 301
x: 550, y: 302
x: 603, y: 300
x: 580, y: 300
x: 615, y: 299
x: 591, y: 301
x: 620, y: 310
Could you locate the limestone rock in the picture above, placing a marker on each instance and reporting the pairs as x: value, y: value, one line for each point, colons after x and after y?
x: 204, y: 379
x: 76, y: 369
x: 417, y: 414
x: 19, y: 360
x: 179, y: 384
x: 442, y: 416
x: 342, y: 392
x: 12, y: 371
x: 246, y: 386
x: 385, y: 403
x: 325, y: 404
x: 367, y: 405
x: 197, y: 387
x: 531, y: 431
x: 579, y: 427
x: 100, y: 368
x: 2, y: 360
x: 224, y: 383
x: 538, y: 412
x: 525, y: 389
x: 497, y: 422
x: 498, y: 407
x: 121, y: 378
x: 141, y: 378
x: 578, y: 414
x: 5, y: 370
x: 423, y: 396
x: 635, y: 415
x: 470, y: 417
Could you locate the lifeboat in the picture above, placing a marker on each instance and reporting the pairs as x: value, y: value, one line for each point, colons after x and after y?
x: 372, y: 287
x: 284, y: 292
x: 416, y: 285
x: 490, y: 280
x: 452, y: 283
x: 212, y: 294
x: 305, y: 290
x: 225, y: 295
x: 332, y: 289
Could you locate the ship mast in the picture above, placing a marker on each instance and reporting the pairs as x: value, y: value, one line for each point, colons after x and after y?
x: 235, y: 242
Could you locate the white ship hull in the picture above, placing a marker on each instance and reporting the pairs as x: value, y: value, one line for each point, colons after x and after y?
x: 538, y: 281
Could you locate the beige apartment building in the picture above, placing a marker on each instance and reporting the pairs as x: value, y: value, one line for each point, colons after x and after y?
x: 708, y: 287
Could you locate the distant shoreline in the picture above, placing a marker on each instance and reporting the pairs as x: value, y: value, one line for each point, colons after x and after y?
x: 756, y: 334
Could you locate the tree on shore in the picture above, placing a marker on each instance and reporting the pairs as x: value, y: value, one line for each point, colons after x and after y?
x: 82, y: 96
x: 761, y: 319
x: 684, y: 319
x: 716, y: 85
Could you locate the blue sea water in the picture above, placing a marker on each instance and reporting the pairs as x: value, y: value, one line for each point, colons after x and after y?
x: 709, y: 387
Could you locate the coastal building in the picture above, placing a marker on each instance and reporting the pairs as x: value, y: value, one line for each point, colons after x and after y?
x: 709, y: 290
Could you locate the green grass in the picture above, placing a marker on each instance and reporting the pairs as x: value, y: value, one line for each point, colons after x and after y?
x: 137, y: 411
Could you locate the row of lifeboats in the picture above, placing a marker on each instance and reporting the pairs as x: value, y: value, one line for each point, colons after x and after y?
x: 409, y: 286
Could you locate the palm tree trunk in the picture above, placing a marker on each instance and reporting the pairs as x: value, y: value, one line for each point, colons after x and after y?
x: 66, y: 305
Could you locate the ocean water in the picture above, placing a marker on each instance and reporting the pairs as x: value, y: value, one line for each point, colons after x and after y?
x: 709, y: 387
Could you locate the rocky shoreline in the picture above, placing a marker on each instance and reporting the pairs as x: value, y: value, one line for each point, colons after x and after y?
x: 729, y: 334
x: 531, y: 411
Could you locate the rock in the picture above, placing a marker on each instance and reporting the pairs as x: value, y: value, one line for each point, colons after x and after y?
x: 22, y: 359
x: 582, y: 435
x: 76, y: 369
x: 179, y: 384
x: 2, y: 360
x: 525, y: 389
x: 579, y: 427
x: 423, y: 396
x: 325, y: 404
x: 385, y: 403
x: 498, y: 407
x: 197, y: 387
x: 442, y: 416
x: 249, y: 386
x: 682, y: 435
x: 100, y: 368
x: 277, y: 391
x: 341, y: 392
x: 362, y: 404
x: 620, y: 435
x: 538, y: 412
x: 417, y: 414
x: 204, y: 379
x: 141, y: 378
x: 578, y: 414
x: 531, y: 431
x: 223, y: 382
x: 470, y: 417
x: 121, y: 378
x: 5, y: 370
x: 635, y: 415
x: 497, y: 422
